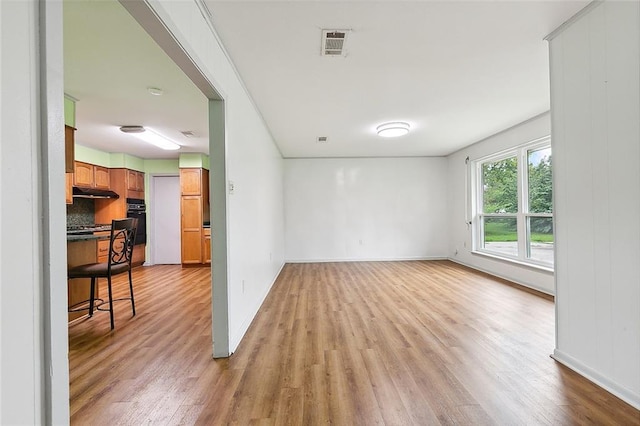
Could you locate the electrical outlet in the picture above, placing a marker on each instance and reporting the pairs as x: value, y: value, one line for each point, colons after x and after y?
x: 232, y: 188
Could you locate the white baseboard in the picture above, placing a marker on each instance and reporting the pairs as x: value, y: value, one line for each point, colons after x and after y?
x: 533, y: 287
x: 623, y: 393
x: 372, y: 259
x: 236, y: 337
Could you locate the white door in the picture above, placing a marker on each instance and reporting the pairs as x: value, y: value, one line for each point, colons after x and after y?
x: 166, y: 220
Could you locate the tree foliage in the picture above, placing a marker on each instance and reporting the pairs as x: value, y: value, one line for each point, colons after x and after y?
x: 540, y: 187
x: 500, y: 189
x: 500, y: 186
x: 541, y: 194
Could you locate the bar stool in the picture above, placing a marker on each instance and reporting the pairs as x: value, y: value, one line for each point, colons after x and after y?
x: 121, y: 242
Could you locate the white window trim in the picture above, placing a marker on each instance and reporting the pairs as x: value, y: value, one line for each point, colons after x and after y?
x: 477, y: 214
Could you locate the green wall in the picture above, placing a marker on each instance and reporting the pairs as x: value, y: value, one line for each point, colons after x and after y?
x: 92, y: 156
x: 69, y: 111
x: 126, y: 161
x: 194, y: 160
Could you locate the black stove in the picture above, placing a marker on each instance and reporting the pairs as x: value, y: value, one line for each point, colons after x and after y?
x: 86, y: 229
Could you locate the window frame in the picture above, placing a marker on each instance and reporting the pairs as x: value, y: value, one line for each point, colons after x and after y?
x: 522, y: 215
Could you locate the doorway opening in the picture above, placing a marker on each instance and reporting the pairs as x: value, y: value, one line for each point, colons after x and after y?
x: 154, y: 27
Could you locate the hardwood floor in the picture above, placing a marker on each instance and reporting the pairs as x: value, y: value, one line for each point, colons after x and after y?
x: 396, y: 343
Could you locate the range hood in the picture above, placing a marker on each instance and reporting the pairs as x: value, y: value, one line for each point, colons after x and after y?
x: 93, y: 193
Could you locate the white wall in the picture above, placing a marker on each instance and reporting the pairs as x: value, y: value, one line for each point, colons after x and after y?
x: 20, y: 271
x: 595, y: 78
x: 32, y: 217
x: 365, y: 209
x: 460, y: 236
x: 255, y: 226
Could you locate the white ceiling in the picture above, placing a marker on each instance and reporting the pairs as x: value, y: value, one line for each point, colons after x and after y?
x: 109, y: 62
x: 456, y: 71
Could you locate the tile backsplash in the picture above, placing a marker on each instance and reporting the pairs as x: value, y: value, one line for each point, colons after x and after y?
x: 81, y: 212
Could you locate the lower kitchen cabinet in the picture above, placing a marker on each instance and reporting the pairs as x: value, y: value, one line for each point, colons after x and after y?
x: 191, y: 248
x: 206, y: 246
x: 138, y: 256
x: 103, y: 251
x: 79, y: 253
x: 191, y: 229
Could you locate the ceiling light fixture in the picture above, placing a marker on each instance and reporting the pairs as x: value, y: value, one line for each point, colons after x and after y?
x: 151, y: 136
x: 393, y: 129
x: 155, y: 91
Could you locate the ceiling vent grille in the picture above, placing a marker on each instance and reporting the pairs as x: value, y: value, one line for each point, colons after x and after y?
x: 333, y: 42
x: 322, y: 139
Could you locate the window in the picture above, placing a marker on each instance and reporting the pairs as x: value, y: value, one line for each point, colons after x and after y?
x: 514, y: 204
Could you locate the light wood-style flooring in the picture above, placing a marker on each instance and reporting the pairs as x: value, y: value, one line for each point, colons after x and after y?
x: 389, y: 343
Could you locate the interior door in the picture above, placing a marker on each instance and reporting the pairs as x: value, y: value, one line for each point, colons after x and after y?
x: 165, y: 211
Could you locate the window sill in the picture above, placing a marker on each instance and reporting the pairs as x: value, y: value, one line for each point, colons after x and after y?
x: 530, y: 265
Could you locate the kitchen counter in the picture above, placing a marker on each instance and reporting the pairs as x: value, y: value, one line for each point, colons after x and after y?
x: 86, y: 237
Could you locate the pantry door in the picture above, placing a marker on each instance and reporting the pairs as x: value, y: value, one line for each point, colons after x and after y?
x: 165, y: 211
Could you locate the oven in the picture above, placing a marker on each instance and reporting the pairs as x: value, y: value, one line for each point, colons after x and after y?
x: 137, y: 209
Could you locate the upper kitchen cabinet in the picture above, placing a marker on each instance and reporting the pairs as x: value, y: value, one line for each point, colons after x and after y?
x: 69, y: 148
x: 191, y: 181
x: 83, y: 174
x: 135, y: 180
x: 68, y: 188
x: 101, y: 177
x: 135, y: 184
x: 91, y: 176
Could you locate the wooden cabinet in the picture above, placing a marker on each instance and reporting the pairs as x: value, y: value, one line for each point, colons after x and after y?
x: 91, y: 176
x: 140, y: 181
x: 107, y: 209
x: 135, y: 180
x: 101, y: 177
x: 102, y: 251
x: 194, y: 210
x: 191, y: 181
x: 79, y: 253
x: 69, y: 148
x: 83, y: 174
x: 135, y: 184
x: 206, y: 246
x: 191, y: 229
x: 68, y: 188
x: 138, y: 256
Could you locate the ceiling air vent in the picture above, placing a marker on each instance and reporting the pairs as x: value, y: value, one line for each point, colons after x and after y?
x: 333, y: 42
x: 321, y: 139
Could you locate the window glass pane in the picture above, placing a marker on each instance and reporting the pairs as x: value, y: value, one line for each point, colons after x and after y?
x: 540, y: 189
x: 500, y: 186
x: 540, y: 241
x: 501, y: 235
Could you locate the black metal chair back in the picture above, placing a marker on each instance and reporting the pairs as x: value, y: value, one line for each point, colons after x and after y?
x: 123, y: 236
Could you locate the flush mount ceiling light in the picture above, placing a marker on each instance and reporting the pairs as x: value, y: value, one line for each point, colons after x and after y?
x: 150, y: 136
x: 393, y: 129
x: 155, y: 91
